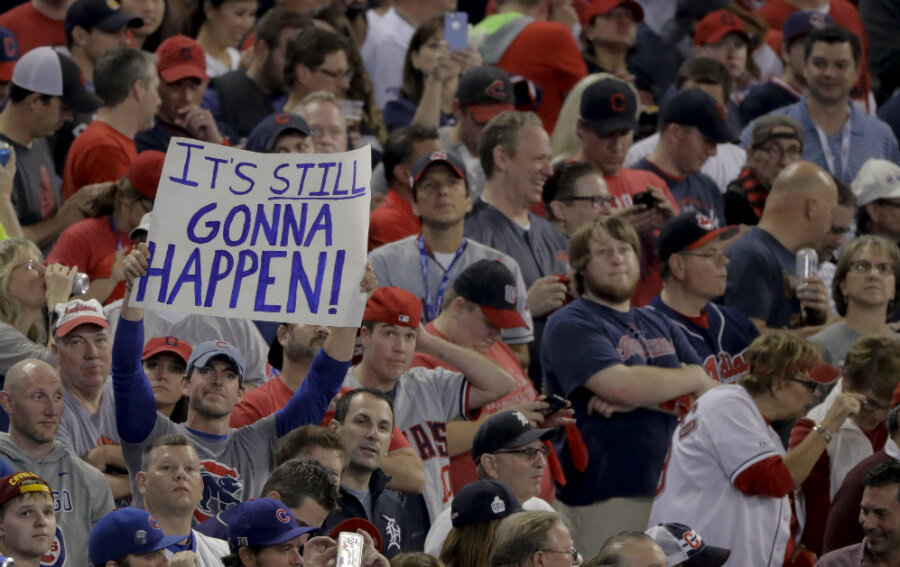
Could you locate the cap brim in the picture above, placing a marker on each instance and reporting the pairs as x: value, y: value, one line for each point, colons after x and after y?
x: 711, y: 556
x: 353, y: 524
x: 270, y: 143
x: 118, y: 21
x: 531, y: 435
x: 606, y: 127
x: 824, y: 373
x: 483, y: 113
x: 717, y: 35
x: 6, y: 71
x: 203, y: 359
x: 68, y: 326
x: 296, y: 531
x: 724, y: 232
x: 459, y: 172
x: 163, y: 348
x: 179, y: 72
x: 503, y: 318
x: 167, y: 541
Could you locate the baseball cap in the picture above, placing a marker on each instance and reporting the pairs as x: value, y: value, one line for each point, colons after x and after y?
x: 716, y: 25
x: 482, y: 501
x: 486, y: 91
x: 21, y: 483
x: 9, y: 54
x: 157, y: 345
x: 684, y: 546
x: 78, y: 312
x: 264, y: 135
x: 492, y: 286
x: 46, y: 71
x: 143, y: 227
x: 799, y: 24
x: 824, y: 373
x: 145, y: 171
x: 127, y: 531
x: 505, y: 430
x: 608, y: 106
x: 354, y: 524
x: 600, y: 7
x: 104, y: 15
x: 693, y: 107
x: 689, y: 231
x: 449, y: 157
x: 180, y: 57
x: 261, y: 523
x: 764, y: 129
x: 210, y: 349
x: 877, y: 179
x: 393, y: 306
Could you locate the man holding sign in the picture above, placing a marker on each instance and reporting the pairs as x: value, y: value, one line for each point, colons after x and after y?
x: 236, y: 462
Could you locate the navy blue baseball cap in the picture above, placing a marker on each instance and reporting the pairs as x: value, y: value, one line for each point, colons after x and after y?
x: 261, y: 523
x: 127, y: 531
x: 104, y: 15
x: 608, y: 106
x: 689, y: 231
x: 211, y: 349
x: 505, y: 430
x: 446, y: 157
x: 799, y: 24
x: 265, y: 134
x: 482, y: 501
x: 693, y: 107
x: 684, y: 546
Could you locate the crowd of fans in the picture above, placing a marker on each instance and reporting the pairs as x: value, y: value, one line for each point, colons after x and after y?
x: 593, y: 332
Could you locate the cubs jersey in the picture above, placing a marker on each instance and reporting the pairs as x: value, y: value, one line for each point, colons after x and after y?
x: 209, y: 550
x: 722, y: 436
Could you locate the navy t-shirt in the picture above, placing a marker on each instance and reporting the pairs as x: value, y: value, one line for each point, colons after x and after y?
x: 627, y: 450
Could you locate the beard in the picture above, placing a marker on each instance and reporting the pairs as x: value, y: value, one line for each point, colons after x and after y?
x: 611, y: 293
x: 298, y: 352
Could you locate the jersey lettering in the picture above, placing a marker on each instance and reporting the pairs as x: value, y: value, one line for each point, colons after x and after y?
x: 445, y: 481
x: 422, y: 441
x: 56, y: 555
x: 726, y: 368
x: 62, y: 501
x: 644, y: 348
x: 439, y: 434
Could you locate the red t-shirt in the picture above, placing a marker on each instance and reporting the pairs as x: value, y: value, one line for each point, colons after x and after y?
x: 392, y: 220
x: 462, y: 467
x: 547, y: 53
x: 622, y: 186
x: 32, y: 28
x: 101, y: 153
x: 91, y: 244
x: 274, y: 395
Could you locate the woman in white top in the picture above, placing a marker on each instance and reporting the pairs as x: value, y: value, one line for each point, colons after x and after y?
x: 219, y: 27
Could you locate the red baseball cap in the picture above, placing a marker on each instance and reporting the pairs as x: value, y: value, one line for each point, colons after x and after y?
x: 77, y: 312
x: 157, y: 345
x: 145, y: 171
x: 824, y: 373
x: 600, y: 7
x: 393, y: 306
x: 180, y: 57
x: 716, y: 25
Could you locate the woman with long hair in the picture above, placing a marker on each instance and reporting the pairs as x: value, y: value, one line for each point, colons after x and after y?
x: 152, y: 12
x: 476, y: 511
x: 219, y: 26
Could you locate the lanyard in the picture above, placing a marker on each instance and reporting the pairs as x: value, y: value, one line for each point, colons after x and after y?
x: 845, y: 148
x: 433, y: 307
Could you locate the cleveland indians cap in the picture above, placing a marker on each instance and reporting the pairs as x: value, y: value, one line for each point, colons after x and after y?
x: 9, y: 54
x: 261, y: 523
x: 265, y: 134
x: 505, y: 430
x: 600, y: 7
x: 211, y: 349
x: 78, y: 312
x: 689, y: 231
x: 486, y: 91
x: 799, y: 24
x: 490, y: 285
x: 180, y: 57
x: 174, y: 345
x: 684, y: 546
x: 46, y: 71
x: 608, y: 106
x: 127, y: 531
x: 393, y: 306
x: 450, y: 158
x: 693, y: 107
x: 482, y: 501
x: 716, y: 25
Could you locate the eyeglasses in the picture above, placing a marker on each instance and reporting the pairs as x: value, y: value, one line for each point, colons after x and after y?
x: 32, y: 265
x: 775, y: 151
x: 336, y: 75
x: 531, y: 453
x: 810, y: 385
x: 715, y: 256
x: 596, y: 201
x: 864, y: 267
x: 873, y: 405
x: 571, y: 552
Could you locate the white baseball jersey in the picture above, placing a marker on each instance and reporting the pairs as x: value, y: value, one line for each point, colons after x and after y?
x: 209, y: 550
x: 720, y: 438
x: 424, y: 401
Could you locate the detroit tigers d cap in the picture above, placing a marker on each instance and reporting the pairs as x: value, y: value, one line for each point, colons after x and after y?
x: 486, y: 91
x: 127, y: 531
x: 609, y: 105
x: 393, y: 306
x: 263, y: 522
x: 482, y: 501
x: 264, y: 135
x: 21, y: 483
x: 684, y: 546
x: 693, y: 107
x: 46, y: 71
x: 210, y: 349
x: 689, y: 231
x: 490, y: 285
x: 505, y: 430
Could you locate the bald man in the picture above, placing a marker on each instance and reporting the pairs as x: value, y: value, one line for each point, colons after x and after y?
x: 630, y: 549
x: 32, y: 395
x: 761, y: 278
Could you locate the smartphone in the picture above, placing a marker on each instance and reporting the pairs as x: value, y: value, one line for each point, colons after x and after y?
x: 456, y: 30
x: 556, y: 402
x: 644, y: 198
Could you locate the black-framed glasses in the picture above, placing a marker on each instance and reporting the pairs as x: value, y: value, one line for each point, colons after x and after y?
x: 810, y: 385
x: 571, y: 552
x: 864, y: 267
x: 596, y: 201
x: 336, y: 75
x: 530, y: 453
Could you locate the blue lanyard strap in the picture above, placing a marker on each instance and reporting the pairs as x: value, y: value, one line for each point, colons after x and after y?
x: 433, y: 307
